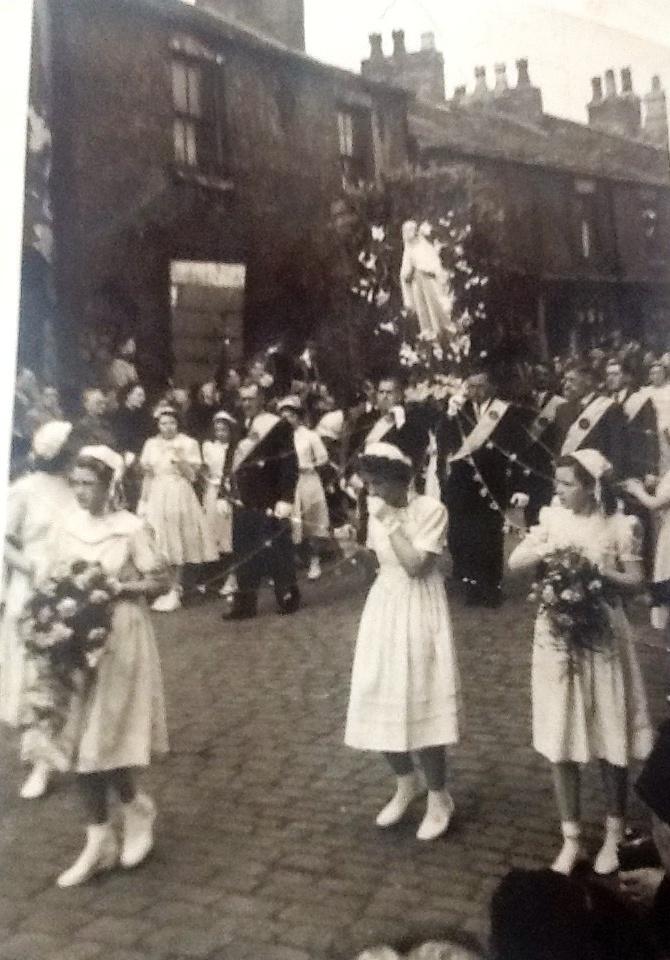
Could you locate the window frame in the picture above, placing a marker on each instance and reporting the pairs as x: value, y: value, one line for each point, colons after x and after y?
x: 209, y: 124
x: 358, y: 162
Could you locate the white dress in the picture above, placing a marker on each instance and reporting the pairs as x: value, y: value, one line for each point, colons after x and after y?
x: 120, y: 720
x: 595, y: 708
x: 170, y: 505
x: 662, y: 552
x: 405, y: 689
x: 311, y: 508
x: 218, y: 512
x: 36, y: 503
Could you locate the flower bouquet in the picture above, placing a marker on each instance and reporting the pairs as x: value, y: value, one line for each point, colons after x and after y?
x: 572, y: 596
x: 67, y: 623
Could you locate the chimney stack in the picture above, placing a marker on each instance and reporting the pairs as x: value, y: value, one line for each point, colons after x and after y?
x: 376, y: 52
x: 501, y: 85
x: 481, y: 91
x: 610, y: 84
x: 655, y: 130
x: 596, y: 89
x: 398, y: 44
x: 522, y: 75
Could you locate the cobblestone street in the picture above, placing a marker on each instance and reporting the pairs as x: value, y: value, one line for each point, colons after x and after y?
x: 266, y: 844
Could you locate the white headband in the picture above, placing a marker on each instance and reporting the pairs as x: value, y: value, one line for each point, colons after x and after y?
x: 593, y: 462
x: 107, y: 456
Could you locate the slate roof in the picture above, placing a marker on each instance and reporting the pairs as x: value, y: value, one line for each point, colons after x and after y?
x: 473, y: 131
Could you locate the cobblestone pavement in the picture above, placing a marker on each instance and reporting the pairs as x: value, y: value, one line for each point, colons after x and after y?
x: 266, y: 845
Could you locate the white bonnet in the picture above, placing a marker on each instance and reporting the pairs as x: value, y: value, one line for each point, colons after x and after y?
x: 50, y: 438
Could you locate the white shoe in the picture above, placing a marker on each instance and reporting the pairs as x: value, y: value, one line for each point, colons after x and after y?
x: 607, y: 860
x: 439, y: 811
x: 314, y: 571
x: 571, y: 851
x: 37, y: 781
x: 407, y: 790
x: 99, y: 854
x: 138, y: 830
x: 230, y: 587
x: 168, y: 602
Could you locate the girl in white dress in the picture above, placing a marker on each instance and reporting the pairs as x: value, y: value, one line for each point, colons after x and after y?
x: 120, y: 715
x: 37, y: 502
x: 659, y: 502
x: 170, y: 463
x: 217, y: 455
x: 311, y: 522
x: 593, y: 707
x: 404, y: 686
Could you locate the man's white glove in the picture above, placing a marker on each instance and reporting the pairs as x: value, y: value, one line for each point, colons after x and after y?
x: 520, y: 500
x: 283, y: 510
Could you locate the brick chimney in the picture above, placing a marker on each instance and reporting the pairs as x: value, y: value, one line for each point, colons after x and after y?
x: 282, y: 19
x: 615, y: 112
x: 655, y: 129
x: 419, y: 71
x: 376, y: 51
x: 398, y: 44
x: 501, y: 86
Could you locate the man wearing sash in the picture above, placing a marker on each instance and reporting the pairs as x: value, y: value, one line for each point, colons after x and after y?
x: 264, y: 477
x: 589, y: 420
x: 541, y: 444
x: 478, y: 449
x: 642, y: 460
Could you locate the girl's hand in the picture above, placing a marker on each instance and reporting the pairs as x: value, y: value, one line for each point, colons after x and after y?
x: 633, y: 486
x: 115, y: 586
x: 379, y: 509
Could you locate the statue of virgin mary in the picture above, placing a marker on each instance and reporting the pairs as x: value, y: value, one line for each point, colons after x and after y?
x: 424, y: 281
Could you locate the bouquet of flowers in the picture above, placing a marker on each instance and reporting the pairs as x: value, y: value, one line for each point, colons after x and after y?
x: 67, y: 623
x: 571, y: 594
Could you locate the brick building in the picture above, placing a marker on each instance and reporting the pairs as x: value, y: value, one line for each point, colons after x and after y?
x: 196, y: 150
x: 582, y: 211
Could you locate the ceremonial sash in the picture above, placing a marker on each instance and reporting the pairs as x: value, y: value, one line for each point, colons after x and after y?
x: 382, y: 426
x: 635, y: 402
x: 261, y: 426
x: 482, y: 430
x: 545, y: 417
x: 587, y: 420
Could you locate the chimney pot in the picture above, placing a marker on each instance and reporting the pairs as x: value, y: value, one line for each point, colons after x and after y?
x: 523, y: 77
x: 459, y: 94
x: 428, y: 40
x: 656, y: 84
x: 610, y: 84
x: 626, y: 80
x: 398, y: 43
x: 597, y: 88
x: 376, y: 52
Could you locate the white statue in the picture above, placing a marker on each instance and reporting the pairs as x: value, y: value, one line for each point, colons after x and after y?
x: 424, y: 281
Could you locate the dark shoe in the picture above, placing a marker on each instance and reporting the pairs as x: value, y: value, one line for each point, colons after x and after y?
x: 242, y: 608
x: 288, y: 601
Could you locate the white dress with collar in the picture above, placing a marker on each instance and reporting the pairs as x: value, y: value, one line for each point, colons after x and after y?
x: 405, y: 689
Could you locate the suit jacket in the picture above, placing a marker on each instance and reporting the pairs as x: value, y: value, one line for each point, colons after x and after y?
x: 501, y: 474
x: 642, y: 444
x: 269, y: 471
x: 608, y: 435
x: 540, y: 445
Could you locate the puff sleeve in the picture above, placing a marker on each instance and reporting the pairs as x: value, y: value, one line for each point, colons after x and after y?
x: 431, y: 533
x: 536, y: 544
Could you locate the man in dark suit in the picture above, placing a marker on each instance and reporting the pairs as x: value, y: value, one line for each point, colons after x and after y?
x: 539, y: 443
x: 264, y: 477
x: 478, y: 449
x: 589, y: 420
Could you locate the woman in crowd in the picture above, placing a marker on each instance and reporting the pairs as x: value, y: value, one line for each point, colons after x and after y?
x: 404, y: 687
x: 122, y: 370
x: 312, y: 521
x: 590, y: 706
x: 132, y: 425
x: 171, y: 462
x: 203, y: 407
x: 122, y: 714
x: 217, y: 455
x: 659, y: 502
x: 37, y: 502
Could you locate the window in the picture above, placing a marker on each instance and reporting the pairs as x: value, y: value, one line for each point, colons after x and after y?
x: 197, y: 97
x: 354, y: 129
x: 587, y: 217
